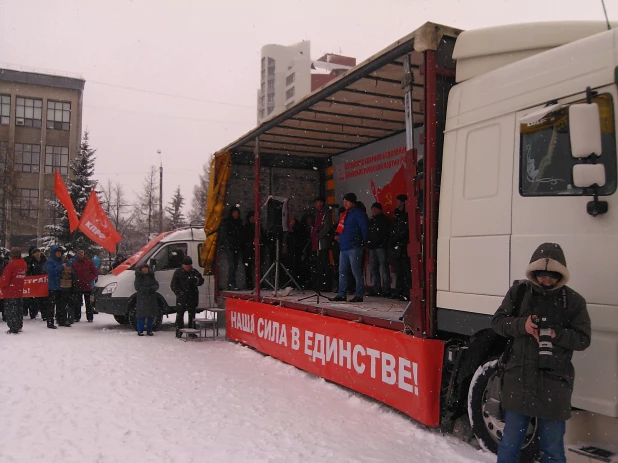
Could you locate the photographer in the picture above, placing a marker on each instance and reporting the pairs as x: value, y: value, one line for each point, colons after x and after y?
x: 551, y: 323
x: 184, y: 285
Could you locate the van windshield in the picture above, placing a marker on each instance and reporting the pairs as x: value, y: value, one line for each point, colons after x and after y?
x: 140, y: 256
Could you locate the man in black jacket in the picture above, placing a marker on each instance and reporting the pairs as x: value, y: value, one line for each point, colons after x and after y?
x: 185, y: 282
x: 398, y: 250
x: 36, y: 266
x: 552, y: 321
x: 377, y: 244
x: 234, y: 245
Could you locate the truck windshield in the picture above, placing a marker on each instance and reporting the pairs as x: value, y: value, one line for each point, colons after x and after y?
x: 546, y: 163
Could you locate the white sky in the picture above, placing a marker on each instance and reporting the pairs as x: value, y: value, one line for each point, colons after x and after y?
x: 208, y: 50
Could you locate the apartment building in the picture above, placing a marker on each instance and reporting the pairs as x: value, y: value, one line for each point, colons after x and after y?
x: 288, y: 74
x: 40, y: 131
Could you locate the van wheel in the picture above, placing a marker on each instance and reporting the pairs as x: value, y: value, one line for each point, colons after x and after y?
x: 132, y: 318
x: 121, y: 319
x: 488, y: 429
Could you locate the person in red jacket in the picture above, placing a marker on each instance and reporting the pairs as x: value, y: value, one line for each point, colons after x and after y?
x: 12, y: 287
x: 85, y: 273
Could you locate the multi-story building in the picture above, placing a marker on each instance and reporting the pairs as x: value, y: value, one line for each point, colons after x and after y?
x: 40, y: 131
x: 287, y: 74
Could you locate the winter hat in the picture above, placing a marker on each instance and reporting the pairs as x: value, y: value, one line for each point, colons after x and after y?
x: 34, y: 251
x: 377, y: 206
x: 15, y: 252
x: 350, y: 197
x: 187, y: 261
x: 319, y: 198
x: 549, y: 259
x: 403, y: 198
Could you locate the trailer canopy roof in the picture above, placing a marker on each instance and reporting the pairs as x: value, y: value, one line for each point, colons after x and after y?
x: 360, y: 107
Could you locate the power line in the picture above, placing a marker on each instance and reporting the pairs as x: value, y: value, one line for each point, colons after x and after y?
x: 134, y: 89
x: 164, y: 115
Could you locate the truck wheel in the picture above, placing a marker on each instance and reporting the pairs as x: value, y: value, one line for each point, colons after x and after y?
x: 488, y: 429
x: 132, y: 319
x: 121, y: 319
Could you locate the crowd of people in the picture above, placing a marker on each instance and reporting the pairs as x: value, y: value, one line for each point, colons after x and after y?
x: 323, y: 255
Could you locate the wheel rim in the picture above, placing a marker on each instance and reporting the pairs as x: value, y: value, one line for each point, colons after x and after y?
x: 495, y: 427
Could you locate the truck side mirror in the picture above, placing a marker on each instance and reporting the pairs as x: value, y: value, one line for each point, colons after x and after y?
x: 153, y: 263
x: 588, y: 175
x: 585, y: 130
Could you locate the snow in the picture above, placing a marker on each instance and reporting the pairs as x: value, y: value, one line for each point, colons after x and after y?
x: 96, y: 392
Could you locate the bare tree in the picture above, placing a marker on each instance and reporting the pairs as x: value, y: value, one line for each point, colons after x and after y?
x: 200, y: 195
x: 147, y: 202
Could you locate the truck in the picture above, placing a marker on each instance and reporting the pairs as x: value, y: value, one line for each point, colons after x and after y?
x: 115, y: 293
x: 502, y: 139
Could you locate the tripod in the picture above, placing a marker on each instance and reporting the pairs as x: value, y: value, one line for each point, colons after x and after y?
x: 275, y: 266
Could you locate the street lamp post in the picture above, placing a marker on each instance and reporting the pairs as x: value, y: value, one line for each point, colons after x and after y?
x: 160, y: 194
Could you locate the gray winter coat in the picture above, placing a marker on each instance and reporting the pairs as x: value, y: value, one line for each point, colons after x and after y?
x: 146, y: 286
x: 526, y: 389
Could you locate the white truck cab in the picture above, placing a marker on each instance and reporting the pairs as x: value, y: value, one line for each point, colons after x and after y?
x: 115, y: 293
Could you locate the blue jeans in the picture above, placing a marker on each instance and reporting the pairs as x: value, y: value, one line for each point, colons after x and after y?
x: 140, y: 324
x: 551, y: 437
x: 380, y: 269
x: 352, y: 258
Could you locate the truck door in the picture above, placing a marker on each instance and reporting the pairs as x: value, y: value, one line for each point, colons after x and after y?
x: 547, y: 207
x: 168, y: 259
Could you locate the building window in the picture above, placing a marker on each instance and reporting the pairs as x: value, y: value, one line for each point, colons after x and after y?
x: 4, y: 154
x: 5, y: 109
x: 27, y: 157
x: 289, y: 80
x: 261, y: 114
x: 289, y: 105
x: 49, y: 211
x: 58, y: 115
x: 27, y: 202
x: 271, y: 97
x: 271, y: 84
x: 290, y: 93
x: 271, y: 66
x: 270, y: 109
x: 57, y: 157
x: 262, y: 87
x: 28, y: 112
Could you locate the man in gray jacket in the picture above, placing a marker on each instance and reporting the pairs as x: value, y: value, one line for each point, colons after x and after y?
x: 552, y: 322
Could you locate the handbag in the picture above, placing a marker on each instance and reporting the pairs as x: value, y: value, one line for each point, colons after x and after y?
x: 493, y: 404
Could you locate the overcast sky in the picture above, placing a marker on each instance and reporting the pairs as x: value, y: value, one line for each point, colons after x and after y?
x: 209, y: 53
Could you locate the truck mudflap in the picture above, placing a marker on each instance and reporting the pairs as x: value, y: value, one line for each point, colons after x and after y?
x: 397, y: 369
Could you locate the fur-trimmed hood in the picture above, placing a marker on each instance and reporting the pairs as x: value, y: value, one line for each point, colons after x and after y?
x: 548, y: 257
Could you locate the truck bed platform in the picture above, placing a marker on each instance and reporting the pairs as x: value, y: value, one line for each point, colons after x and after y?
x: 376, y: 311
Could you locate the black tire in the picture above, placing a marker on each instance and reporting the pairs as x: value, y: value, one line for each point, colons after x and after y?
x: 132, y: 319
x: 488, y: 430
x: 123, y: 320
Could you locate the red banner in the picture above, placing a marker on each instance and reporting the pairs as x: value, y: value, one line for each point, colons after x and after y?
x: 63, y: 196
x: 398, y: 369
x: 34, y: 286
x: 96, y: 225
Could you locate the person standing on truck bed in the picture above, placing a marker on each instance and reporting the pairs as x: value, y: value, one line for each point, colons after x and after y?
x: 378, y: 254
x: 552, y: 321
x: 398, y: 250
x: 12, y: 286
x: 352, y: 233
x: 184, y: 285
x: 234, y: 245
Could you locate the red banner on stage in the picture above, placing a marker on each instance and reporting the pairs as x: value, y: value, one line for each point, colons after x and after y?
x: 60, y: 190
x: 96, y: 225
x: 34, y: 286
x: 398, y: 369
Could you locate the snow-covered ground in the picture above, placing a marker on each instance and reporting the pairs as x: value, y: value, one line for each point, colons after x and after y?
x: 96, y: 392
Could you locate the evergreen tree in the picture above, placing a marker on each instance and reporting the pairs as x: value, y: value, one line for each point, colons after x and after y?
x: 79, y: 185
x: 200, y: 195
x: 176, y: 218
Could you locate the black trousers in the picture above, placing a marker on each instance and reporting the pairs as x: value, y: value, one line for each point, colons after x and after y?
x: 59, y: 302
x: 13, y: 311
x: 77, y: 301
x: 403, y: 283
x: 180, y: 316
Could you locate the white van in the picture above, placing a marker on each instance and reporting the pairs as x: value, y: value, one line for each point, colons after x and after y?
x: 115, y: 293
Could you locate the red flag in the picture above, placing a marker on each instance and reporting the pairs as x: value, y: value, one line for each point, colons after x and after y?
x: 96, y: 225
x: 63, y: 196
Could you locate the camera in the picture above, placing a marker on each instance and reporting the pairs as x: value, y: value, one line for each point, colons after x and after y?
x: 546, y: 354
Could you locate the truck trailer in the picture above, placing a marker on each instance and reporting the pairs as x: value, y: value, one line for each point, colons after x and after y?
x: 502, y: 139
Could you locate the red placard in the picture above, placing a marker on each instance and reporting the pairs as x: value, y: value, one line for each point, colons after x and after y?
x: 397, y: 369
x: 34, y: 286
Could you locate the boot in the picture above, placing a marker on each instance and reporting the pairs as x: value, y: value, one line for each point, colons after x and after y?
x: 51, y: 325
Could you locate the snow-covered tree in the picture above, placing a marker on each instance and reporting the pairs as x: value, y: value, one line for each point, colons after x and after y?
x: 200, y: 195
x: 79, y: 185
x: 175, y: 217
